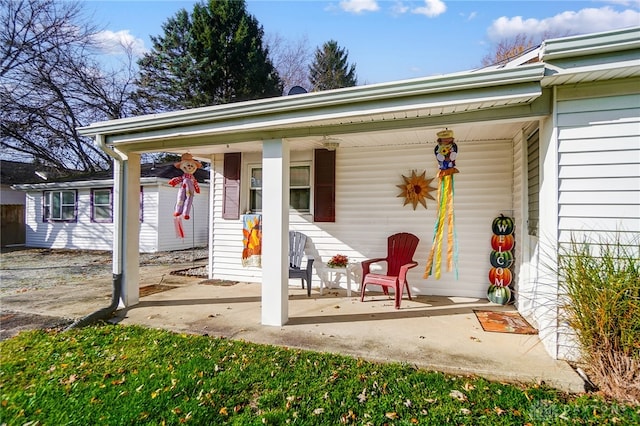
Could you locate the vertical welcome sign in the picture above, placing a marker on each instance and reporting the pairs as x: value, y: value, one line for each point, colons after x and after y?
x: 501, y: 258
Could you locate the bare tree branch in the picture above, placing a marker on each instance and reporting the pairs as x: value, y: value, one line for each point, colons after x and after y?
x: 51, y: 83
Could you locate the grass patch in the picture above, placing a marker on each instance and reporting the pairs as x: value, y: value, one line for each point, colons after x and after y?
x: 109, y: 374
x: 602, y: 284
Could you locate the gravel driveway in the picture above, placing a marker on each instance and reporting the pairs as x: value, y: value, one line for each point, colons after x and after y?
x: 50, y: 288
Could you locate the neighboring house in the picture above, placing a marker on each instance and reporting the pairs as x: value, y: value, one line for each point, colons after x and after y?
x: 12, y: 202
x: 554, y: 144
x: 77, y: 213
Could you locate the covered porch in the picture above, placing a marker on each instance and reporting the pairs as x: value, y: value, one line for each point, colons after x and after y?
x: 380, y: 133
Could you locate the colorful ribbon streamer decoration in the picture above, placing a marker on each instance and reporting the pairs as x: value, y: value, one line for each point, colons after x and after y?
x: 446, y: 152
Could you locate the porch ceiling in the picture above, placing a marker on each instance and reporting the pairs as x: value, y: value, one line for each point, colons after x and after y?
x: 464, y: 132
x: 498, y: 117
x: 479, y: 105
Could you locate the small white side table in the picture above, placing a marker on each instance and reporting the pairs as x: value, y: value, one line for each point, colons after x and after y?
x: 328, y: 281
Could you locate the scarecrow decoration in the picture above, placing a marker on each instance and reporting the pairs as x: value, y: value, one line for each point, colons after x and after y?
x: 446, y: 152
x: 188, y: 188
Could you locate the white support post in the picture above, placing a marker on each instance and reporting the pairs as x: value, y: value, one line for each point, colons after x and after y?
x: 130, y: 256
x: 275, y: 232
x: 211, y: 209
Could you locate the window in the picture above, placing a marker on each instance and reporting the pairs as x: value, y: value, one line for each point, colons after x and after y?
x: 533, y: 183
x: 299, y: 188
x: 59, y: 205
x: 141, y: 204
x: 101, y: 205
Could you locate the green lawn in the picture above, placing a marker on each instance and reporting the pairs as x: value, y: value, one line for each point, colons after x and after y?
x: 117, y: 375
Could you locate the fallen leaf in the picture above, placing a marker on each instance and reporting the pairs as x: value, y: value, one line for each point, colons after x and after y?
x: 223, y: 411
x: 458, y: 395
x: 118, y: 381
x: 318, y: 411
x: 392, y: 415
x: 465, y: 411
x: 499, y: 411
x: 468, y: 386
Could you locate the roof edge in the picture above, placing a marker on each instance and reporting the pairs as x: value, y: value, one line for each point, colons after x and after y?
x: 353, y: 95
x: 591, y: 44
x: 98, y: 183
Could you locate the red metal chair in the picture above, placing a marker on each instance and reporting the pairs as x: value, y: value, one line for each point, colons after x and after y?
x: 400, y: 250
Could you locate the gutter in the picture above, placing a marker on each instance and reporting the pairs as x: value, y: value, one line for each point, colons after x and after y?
x: 337, y: 101
x: 118, y: 241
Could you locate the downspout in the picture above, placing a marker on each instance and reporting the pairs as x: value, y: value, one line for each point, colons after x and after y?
x: 118, y: 246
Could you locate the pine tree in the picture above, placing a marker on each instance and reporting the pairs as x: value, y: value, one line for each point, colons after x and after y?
x: 212, y: 56
x: 330, y: 69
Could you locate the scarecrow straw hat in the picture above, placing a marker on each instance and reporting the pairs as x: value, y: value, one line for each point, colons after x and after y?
x: 187, y: 157
x: 445, y: 134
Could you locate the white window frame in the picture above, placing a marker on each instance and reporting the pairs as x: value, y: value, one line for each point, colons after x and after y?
x: 94, y: 205
x: 307, y: 164
x: 58, y: 216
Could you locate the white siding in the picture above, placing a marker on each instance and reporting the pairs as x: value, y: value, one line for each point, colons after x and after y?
x: 157, y: 232
x: 368, y: 211
x: 195, y: 229
x: 598, y: 175
x: 149, y: 225
x: 599, y: 166
x: 81, y: 234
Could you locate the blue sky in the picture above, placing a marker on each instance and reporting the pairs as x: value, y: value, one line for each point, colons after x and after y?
x: 388, y: 39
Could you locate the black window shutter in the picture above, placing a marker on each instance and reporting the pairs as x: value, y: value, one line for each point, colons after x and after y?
x: 324, y: 186
x: 231, y: 185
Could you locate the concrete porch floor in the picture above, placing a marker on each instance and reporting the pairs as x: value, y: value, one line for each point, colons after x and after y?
x: 438, y: 333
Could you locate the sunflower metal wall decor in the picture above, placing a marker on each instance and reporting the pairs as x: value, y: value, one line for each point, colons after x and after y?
x: 416, y: 189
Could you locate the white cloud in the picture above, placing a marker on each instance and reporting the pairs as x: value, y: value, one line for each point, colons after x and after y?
x: 359, y: 6
x: 112, y: 42
x: 633, y: 3
x: 569, y: 22
x: 399, y: 8
x: 431, y: 8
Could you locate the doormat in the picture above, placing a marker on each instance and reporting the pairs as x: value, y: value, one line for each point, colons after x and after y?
x: 153, y: 289
x: 504, y: 322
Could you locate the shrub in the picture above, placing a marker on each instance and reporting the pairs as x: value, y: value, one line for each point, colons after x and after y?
x: 601, y: 282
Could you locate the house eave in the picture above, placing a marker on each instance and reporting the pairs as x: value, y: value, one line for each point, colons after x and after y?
x: 591, y: 44
x: 337, y: 103
x: 102, y: 183
x: 620, y: 70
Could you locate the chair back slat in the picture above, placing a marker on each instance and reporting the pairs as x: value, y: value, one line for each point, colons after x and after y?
x: 297, y: 241
x: 400, y: 250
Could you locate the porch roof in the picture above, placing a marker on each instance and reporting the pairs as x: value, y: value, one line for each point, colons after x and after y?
x: 414, y: 110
